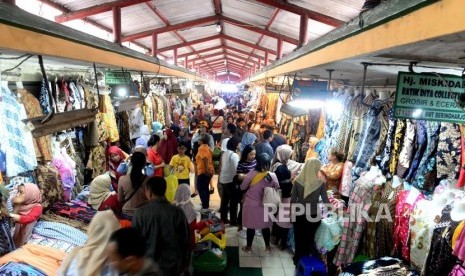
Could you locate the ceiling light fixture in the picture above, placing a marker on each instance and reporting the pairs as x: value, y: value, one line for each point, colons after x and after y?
x: 218, y: 27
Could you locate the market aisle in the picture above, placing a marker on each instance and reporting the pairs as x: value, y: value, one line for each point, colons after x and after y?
x: 276, y: 263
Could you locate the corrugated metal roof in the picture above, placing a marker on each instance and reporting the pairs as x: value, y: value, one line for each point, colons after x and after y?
x: 151, y: 15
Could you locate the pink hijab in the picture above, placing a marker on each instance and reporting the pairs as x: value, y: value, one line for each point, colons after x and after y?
x: 32, y: 199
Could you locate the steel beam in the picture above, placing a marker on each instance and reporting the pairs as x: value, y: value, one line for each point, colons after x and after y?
x: 303, y: 31
x: 279, y: 47
x: 241, y: 51
x: 326, y: 19
x: 174, y: 27
x: 240, y: 59
x: 260, y: 30
x: 189, y: 43
x: 154, y: 44
x: 248, y: 44
x: 117, y: 24
x: 201, y: 51
x: 87, y: 20
x: 86, y: 12
x: 266, y: 58
x: 217, y: 4
x: 208, y: 56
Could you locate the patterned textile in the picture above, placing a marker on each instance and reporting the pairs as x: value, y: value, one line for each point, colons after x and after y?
x: 66, y: 167
x: 383, y: 266
x: 97, y: 161
x: 369, y: 240
x: 49, y: 183
x: 388, y: 149
x: 397, y: 145
x: 346, y: 181
x: 42, y: 144
x: 328, y: 234
x: 346, y: 124
x: 385, y: 227
x: 122, y: 120
x: 461, y: 181
x: 74, y: 211
x: 60, y: 231
x: 71, y: 222
x: 405, y: 204
x: 406, y: 154
x: 440, y: 258
x: 420, y: 146
x: 368, y: 140
x: 80, y: 171
x: 354, y: 222
x: 332, y: 130
x: 448, y: 155
x: 91, y: 98
x: 6, y: 242
x: 110, y: 120
x: 53, y: 243
x: 423, y: 220
x: 20, y: 269
x: 16, y: 142
x: 147, y: 109
x: 44, y: 258
x: 44, y: 99
x: 102, y: 129
x: 136, y: 121
x: 359, y: 116
x: 425, y: 178
x: 78, y: 95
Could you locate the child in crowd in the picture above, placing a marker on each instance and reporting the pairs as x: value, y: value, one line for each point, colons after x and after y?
x: 181, y: 164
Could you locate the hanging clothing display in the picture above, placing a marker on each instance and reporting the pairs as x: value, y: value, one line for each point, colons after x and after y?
x: 368, y: 140
x: 388, y: 148
x: 440, y: 257
x: 385, y: 226
x: 108, y: 116
x: 425, y: 178
x: 397, y: 146
x: 50, y: 185
x: 42, y: 145
x: 406, y: 201
x: 136, y: 121
x: 15, y: 141
x: 359, y: 114
x: 354, y: 223
x: 148, y: 112
x: 419, y: 149
x: 448, y: 156
x: 406, y: 154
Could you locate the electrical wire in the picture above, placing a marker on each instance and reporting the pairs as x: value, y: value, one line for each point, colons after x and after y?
x: 14, y: 58
x: 19, y: 64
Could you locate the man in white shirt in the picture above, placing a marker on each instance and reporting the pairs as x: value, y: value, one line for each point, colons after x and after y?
x: 229, y: 162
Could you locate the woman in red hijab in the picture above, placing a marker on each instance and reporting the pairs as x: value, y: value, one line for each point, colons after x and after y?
x: 116, y: 157
x: 27, y: 208
x: 168, y: 146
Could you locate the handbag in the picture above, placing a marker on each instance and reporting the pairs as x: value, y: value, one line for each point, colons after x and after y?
x: 271, y: 196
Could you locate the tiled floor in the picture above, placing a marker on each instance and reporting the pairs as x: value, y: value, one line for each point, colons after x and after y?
x: 276, y: 263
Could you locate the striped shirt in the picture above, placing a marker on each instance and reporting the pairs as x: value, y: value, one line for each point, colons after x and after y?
x: 246, y: 167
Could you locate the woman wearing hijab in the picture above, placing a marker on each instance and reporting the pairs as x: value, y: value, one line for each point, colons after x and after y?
x: 281, y: 159
x: 255, y: 183
x: 246, y: 164
x: 307, y: 189
x: 168, y: 146
x: 116, y: 157
x: 91, y: 259
x: 311, y: 153
x: 27, y: 208
x: 182, y: 199
x: 100, y: 196
x: 144, y: 136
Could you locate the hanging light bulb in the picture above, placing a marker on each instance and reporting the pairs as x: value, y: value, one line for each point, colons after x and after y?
x: 218, y: 27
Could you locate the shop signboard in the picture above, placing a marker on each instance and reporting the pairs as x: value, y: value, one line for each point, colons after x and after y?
x: 309, y: 90
x: 276, y: 88
x: 431, y: 97
x: 117, y: 77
